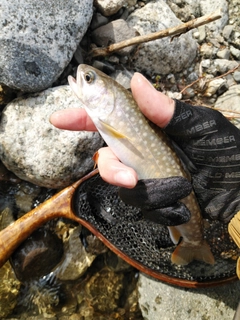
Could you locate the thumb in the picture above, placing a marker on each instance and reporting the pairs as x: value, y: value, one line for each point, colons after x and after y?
x: 156, y: 106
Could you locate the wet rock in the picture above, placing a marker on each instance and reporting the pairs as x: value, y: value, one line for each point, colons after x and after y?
x: 38, y: 41
x: 9, y: 289
x: 101, y: 293
x: 39, y: 152
x: 39, y: 297
x: 113, y: 32
x: 76, y: 259
x: 25, y: 196
x: 37, y: 255
x: 109, y: 7
x: 156, y: 301
x: 161, y: 56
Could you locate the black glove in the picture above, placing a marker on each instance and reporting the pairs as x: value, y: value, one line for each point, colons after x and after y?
x: 210, y: 147
x: 158, y: 199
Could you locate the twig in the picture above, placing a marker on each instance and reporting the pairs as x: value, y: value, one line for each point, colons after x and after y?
x: 182, y: 28
x: 209, y: 80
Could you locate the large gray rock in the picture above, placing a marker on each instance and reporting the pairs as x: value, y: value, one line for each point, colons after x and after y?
x: 36, y: 151
x: 209, y: 6
x: 161, y: 301
x: 164, y: 55
x: 38, y: 40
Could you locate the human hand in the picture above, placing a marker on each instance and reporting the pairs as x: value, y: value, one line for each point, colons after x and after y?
x: 146, y: 96
x: 208, y: 144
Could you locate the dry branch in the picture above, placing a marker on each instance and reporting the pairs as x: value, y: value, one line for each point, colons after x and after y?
x: 182, y: 28
x: 209, y: 80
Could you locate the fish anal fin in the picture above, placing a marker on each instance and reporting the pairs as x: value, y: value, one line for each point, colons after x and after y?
x: 185, y: 254
x: 175, y: 235
x: 234, y: 228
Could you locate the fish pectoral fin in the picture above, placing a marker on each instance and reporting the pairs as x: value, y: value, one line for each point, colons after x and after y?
x: 234, y: 228
x: 116, y: 134
x: 184, y: 253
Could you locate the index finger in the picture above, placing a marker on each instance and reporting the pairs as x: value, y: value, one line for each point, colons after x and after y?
x: 72, y: 119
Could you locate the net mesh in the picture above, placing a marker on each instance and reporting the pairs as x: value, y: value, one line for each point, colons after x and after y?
x: 146, y: 242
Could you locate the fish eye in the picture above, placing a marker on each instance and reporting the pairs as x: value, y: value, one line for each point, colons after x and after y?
x: 89, y: 76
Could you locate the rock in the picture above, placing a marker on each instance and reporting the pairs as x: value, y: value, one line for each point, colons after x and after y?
x: 38, y: 41
x: 230, y: 102
x: 224, y: 65
x: 236, y: 76
x: 223, y: 53
x: 166, y: 55
x: 113, y: 32
x: 202, y: 33
x: 109, y: 7
x: 123, y: 77
x: 207, y: 50
x: 98, y: 20
x: 36, y: 151
x: 215, y: 85
x: 76, y: 259
x: 161, y: 301
x: 209, y: 6
x: 227, y: 30
x: 37, y: 255
x: 9, y: 289
x: 235, y: 52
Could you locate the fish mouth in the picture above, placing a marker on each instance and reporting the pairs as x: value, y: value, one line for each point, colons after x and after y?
x: 76, y: 84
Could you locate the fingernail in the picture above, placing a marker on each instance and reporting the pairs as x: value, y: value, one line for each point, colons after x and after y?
x: 125, y: 179
x: 141, y: 79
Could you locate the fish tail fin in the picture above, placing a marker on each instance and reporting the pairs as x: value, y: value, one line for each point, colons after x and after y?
x: 234, y: 228
x: 184, y: 253
x: 238, y: 268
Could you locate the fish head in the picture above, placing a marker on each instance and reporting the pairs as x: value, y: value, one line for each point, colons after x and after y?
x: 94, y: 90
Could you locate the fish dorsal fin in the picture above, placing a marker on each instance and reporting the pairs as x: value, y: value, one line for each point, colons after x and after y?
x: 107, y: 128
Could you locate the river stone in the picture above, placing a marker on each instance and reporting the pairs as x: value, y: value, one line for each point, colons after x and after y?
x: 229, y: 104
x: 36, y: 151
x: 113, y: 32
x: 165, y: 55
x: 109, y: 7
x: 37, y: 41
x: 161, y: 301
x: 210, y: 6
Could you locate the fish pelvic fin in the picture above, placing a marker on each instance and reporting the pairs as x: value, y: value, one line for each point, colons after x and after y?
x: 234, y: 228
x: 186, y: 253
x: 113, y: 132
x: 107, y: 128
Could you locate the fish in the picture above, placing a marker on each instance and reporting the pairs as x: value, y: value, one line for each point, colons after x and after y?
x: 234, y: 231
x: 140, y: 144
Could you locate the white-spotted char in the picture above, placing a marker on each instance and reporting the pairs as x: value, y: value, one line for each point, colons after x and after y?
x: 142, y: 146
